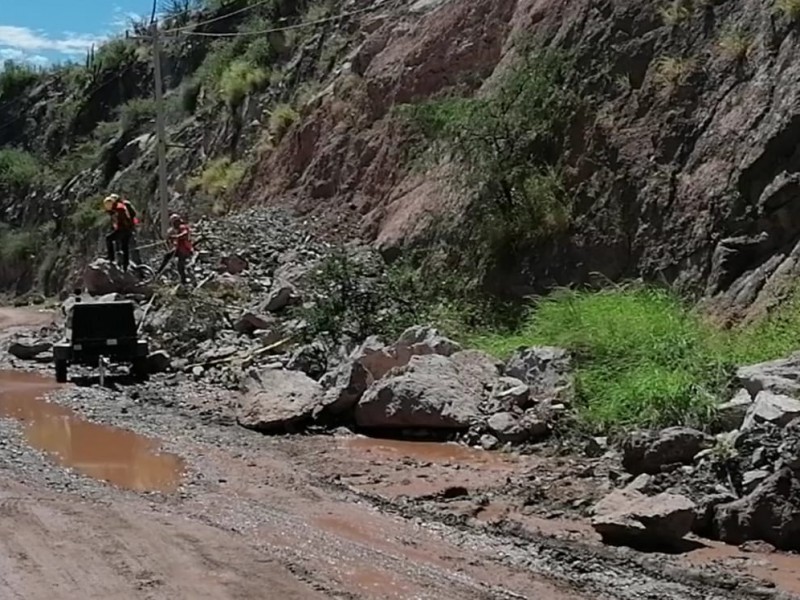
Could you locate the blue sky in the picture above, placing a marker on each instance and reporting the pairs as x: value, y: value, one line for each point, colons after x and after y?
x: 51, y: 31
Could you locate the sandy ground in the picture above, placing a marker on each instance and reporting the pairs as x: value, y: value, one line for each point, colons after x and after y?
x: 239, y: 515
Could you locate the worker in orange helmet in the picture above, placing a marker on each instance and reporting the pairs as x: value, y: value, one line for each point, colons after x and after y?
x: 123, y: 221
x: 182, y: 249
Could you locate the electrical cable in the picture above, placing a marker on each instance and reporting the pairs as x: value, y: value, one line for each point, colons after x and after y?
x: 338, y: 17
x: 215, y: 19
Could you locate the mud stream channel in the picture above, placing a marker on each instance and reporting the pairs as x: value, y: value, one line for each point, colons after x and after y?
x: 109, y: 454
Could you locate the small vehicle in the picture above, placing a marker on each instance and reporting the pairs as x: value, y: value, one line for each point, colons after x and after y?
x: 98, y: 333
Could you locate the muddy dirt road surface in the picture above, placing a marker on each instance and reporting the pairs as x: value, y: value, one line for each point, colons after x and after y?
x: 153, y: 492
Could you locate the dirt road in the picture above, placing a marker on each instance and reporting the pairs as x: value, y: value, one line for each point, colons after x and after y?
x: 292, y: 517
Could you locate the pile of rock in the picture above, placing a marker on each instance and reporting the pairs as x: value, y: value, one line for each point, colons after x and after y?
x: 421, y: 382
x: 743, y: 484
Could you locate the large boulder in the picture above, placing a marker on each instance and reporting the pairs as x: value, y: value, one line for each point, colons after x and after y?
x: 379, y: 359
x: 344, y: 387
x: 281, y: 296
x: 102, y: 277
x: 649, y: 452
x: 277, y: 400
x: 777, y: 376
x: 547, y: 370
x: 429, y: 392
x: 769, y: 407
x: 250, y: 322
x: 28, y: 348
x: 628, y: 517
x: 771, y: 513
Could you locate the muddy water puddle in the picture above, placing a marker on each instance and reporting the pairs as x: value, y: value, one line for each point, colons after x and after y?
x: 442, y: 453
x: 110, y: 454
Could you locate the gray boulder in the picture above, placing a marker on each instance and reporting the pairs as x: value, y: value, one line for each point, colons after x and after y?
x: 777, y: 376
x: 507, y: 427
x: 769, y: 513
x: 282, y: 295
x: 628, y: 517
x: 508, y: 394
x: 232, y: 264
x: 311, y: 359
x: 769, y: 407
x: 28, y: 348
x: 731, y: 414
x: 102, y: 277
x: 344, y: 387
x: 547, y: 370
x: 648, y: 452
x: 429, y: 392
x: 249, y: 323
x: 277, y: 401
x: 379, y: 359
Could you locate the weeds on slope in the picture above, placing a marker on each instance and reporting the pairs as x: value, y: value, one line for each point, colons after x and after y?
x: 642, y: 357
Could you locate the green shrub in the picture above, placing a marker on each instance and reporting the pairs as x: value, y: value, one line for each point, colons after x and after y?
x: 673, y: 71
x: 789, y: 8
x: 239, y: 80
x: 18, y: 245
x: 19, y: 170
x: 113, y: 55
x: 676, y: 12
x: 16, y: 78
x: 135, y: 112
x: 190, y: 92
x: 88, y: 216
x: 642, y: 357
x: 507, y: 148
x: 735, y: 43
x: 218, y: 179
x: 281, y: 119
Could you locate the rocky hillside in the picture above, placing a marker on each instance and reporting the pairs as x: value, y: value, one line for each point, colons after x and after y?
x: 672, y: 160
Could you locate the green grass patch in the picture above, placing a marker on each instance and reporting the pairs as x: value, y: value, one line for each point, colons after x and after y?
x: 217, y: 180
x: 642, y: 357
x: 281, y: 119
x: 239, y: 80
x: 19, y: 170
x: 16, y: 78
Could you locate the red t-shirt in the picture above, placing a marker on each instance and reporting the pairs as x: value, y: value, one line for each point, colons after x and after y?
x: 183, y: 245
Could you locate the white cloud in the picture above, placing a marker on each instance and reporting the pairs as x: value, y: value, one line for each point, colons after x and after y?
x: 11, y: 54
x: 28, y: 40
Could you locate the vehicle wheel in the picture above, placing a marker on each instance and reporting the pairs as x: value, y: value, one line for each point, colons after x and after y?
x: 140, y: 371
x: 61, y: 371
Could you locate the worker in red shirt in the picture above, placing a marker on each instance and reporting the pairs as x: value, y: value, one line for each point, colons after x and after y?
x: 180, y: 238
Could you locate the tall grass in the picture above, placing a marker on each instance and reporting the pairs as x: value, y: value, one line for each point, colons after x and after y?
x: 642, y: 357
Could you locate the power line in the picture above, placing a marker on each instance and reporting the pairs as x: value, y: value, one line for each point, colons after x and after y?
x: 296, y: 25
x: 215, y: 19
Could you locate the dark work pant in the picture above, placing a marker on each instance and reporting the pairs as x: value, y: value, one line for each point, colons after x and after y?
x: 181, y: 263
x: 121, y: 237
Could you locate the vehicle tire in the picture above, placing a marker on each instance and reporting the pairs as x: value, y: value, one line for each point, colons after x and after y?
x: 140, y: 370
x: 61, y: 371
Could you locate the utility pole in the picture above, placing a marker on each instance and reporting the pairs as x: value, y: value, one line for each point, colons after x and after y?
x: 161, y: 145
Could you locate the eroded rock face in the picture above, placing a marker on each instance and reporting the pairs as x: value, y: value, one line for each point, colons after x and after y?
x: 277, y: 400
